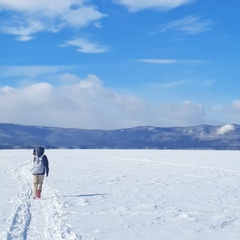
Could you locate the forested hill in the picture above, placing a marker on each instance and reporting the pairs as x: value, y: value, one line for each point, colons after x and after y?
x: 13, y: 136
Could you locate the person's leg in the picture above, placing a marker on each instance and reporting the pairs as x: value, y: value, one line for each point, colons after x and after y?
x: 35, y: 185
x: 40, y: 182
x: 39, y: 186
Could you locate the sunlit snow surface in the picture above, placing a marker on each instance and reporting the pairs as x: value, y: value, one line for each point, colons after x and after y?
x: 122, y: 195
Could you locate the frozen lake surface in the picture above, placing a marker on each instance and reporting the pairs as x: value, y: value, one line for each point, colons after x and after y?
x: 122, y: 195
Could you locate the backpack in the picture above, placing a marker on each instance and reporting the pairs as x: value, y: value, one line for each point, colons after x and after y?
x: 38, y: 165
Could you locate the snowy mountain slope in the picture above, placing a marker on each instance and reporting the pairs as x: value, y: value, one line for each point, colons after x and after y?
x: 225, y: 129
x: 123, y: 194
x: 14, y: 136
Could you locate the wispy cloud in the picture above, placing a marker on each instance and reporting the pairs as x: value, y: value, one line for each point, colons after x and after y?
x: 137, y: 5
x: 85, y: 46
x: 27, y: 18
x: 24, y: 30
x: 31, y: 71
x: 170, y: 61
x: 189, y: 25
x: 171, y: 84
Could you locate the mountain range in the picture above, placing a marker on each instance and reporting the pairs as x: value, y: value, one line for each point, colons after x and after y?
x: 225, y: 137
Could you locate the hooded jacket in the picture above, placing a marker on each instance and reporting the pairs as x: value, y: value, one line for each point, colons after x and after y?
x: 40, y: 154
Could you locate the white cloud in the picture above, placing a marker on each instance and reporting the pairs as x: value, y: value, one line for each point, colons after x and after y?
x: 26, y: 18
x: 187, y: 112
x: 25, y: 29
x: 81, y: 17
x: 190, y: 25
x: 137, y: 5
x: 233, y: 111
x: 85, y: 46
x: 84, y: 104
x: 68, y: 78
x: 24, y: 38
x: 236, y: 105
x: 87, y: 103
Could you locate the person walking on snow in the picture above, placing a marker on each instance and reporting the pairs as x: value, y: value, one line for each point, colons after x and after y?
x: 40, y: 168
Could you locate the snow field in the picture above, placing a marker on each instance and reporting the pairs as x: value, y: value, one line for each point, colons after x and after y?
x: 122, y: 194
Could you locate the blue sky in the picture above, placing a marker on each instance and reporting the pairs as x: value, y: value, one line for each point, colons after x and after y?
x: 112, y: 64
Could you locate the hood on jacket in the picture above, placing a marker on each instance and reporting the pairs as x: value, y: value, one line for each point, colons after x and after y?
x: 40, y: 151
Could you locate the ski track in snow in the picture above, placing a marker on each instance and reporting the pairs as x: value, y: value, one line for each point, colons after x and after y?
x: 40, y: 219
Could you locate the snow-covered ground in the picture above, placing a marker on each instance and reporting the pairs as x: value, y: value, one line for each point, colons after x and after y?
x: 122, y: 195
